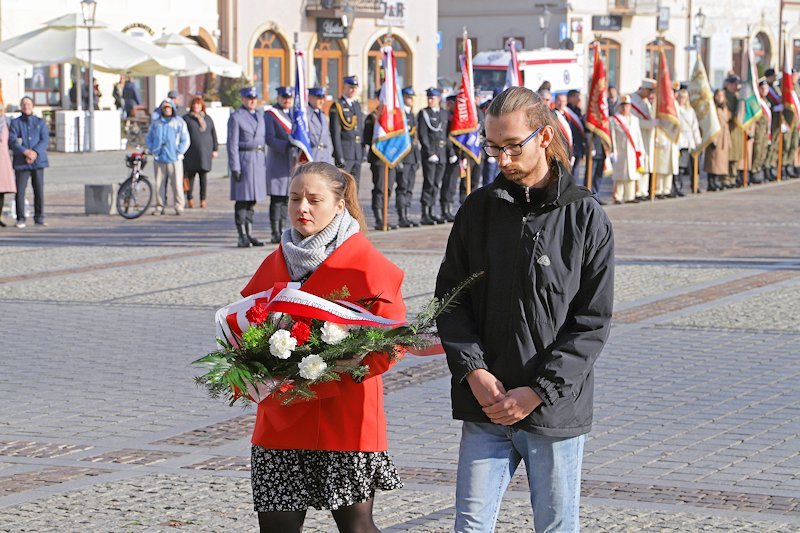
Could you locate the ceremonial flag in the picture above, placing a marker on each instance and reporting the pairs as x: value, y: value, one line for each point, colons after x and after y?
x: 667, y: 112
x: 791, y: 104
x: 464, y: 126
x: 597, y: 110
x: 701, y: 98
x: 751, y: 105
x: 513, y: 76
x: 390, y: 139
x: 299, y: 136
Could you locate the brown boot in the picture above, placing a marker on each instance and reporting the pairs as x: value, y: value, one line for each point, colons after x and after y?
x: 202, y: 204
x: 190, y: 203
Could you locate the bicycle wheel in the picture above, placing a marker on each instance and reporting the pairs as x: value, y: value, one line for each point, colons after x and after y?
x: 132, y: 202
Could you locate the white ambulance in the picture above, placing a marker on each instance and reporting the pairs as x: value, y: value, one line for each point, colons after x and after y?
x: 562, y: 68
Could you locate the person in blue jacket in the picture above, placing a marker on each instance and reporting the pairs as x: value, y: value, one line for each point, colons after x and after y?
x: 246, y: 152
x: 280, y: 155
x: 168, y: 140
x: 28, y: 137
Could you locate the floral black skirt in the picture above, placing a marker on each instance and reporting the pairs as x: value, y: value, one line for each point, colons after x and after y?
x: 294, y: 480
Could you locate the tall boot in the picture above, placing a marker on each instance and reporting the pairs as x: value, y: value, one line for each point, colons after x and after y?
x: 427, y: 219
x: 413, y: 223
x: 248, y: 228
x: 439, y: 220
x: 401, y: 216
x: 378, y: 219
x: 447, y: 215
x: 795, y: 171
x: 244, y: 242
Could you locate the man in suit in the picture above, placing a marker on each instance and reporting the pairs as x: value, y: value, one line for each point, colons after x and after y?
x: 432, y: 129
x: 246, y: 163
x: 280, y: 155
x: 318, y: 128
x: 347, y: 126
x: 407, y: 170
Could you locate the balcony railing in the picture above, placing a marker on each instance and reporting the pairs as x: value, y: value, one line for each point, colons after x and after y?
x: 361, y: 8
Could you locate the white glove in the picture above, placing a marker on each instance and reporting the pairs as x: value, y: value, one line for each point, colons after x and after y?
x: 433, y: 159
x: 778, y: 108
x: 784, y: 128
x: 180, y: 157
x: 491, y: 159
x: 613, y: 158
x: 453, y: 159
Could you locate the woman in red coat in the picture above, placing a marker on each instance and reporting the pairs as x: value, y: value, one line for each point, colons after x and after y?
x: 329, y: 452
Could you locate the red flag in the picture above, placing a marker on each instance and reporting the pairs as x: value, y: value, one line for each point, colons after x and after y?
x: 667, y: 111
x: 597, y: 111
x: 464, y: 123
x: 790, y: 101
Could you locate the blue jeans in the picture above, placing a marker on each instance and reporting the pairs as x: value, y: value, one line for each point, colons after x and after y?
x: 489, y: 455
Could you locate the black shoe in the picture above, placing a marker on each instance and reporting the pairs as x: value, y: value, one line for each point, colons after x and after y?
x: 427, y: 217
x: 244, y: 242
x: 2, y: 224
x: 447, y: 214
x: 248, y: 227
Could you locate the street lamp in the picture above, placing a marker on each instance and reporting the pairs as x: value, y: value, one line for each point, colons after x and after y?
x: 544, y: 22
x: 699, y: 22
x: 88, y: 8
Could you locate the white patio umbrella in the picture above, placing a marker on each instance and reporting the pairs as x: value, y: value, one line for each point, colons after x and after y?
x: 65, y: 40
x: 197, y: 59
x: 11, y: 66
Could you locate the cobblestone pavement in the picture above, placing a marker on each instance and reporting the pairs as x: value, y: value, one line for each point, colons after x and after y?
x: 697, y: 416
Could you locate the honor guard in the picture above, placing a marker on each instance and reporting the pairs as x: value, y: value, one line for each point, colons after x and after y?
x: 407, y: 170
x: 452, y: 171
x: 776, y: 107
x: 347, y: 128
x: 318, y: 128
x: 246, y: 164
x: 278, y: 124
x: 377, y: 167
x: 761, y: 165
x: 432, y: 129
x: 734, y: 178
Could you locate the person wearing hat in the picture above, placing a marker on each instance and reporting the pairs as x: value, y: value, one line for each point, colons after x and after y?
x: 280, y: 155
x: 377, y: 169
x: 761, y: 164
x: 791, y: 138
x: 734, y: 177
x: 319, y: 132
x: 716, y: 159
x: 642, y: 109
x: 775, y: 101
x: 407, y: 170
x: 168, y: 140
x: 432, y: 128
x: 452, y: 170
x: 347, y: 129
x: 247, y: 164
x: 628, y: 155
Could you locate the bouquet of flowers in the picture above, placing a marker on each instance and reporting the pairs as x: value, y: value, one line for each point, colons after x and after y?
x: 284, y: 340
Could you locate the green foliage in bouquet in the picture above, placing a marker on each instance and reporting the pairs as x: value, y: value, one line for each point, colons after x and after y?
x: 292, y: 354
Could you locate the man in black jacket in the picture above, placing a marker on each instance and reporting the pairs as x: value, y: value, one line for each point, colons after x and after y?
x: 522, y: 344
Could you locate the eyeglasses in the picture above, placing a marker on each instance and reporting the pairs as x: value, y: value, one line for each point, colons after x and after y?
x: 509, y: 149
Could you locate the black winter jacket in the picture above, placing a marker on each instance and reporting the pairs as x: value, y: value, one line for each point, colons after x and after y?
x: 541, y: 313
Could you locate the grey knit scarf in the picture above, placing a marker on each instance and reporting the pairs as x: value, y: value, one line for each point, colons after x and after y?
x: 304, y: 254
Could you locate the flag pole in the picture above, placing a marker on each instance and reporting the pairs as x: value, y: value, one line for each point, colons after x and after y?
x: 385, y: 197
x: 655, y: 130
x: 589, y: 169
x: 695, y: 171
x: 468, y: 176
x: 780, y: 148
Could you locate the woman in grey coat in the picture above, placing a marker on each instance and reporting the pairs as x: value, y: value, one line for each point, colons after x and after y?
x: 203, y: 147
x: 246, y: 162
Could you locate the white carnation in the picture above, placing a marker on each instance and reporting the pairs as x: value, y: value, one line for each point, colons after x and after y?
x: 334, y: 333
x: 312, y: 367
x: 281, y: 344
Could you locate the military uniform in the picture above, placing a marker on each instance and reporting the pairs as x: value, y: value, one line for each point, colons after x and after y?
x: 791, y: 140
x: 246, y: 163
x: 377, y: 166
x: 761, y: 150
x: 432, y: 129
x: 347, y: 127
x: 280, y: 157
x: 319, y: 130
x: 407, y: 169
x: 776, y: 107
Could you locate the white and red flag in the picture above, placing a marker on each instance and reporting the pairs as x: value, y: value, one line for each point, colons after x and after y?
x: 390, y: 139
x: 597, y: 120
x: 513, y: 75
x: 791, y: 104
x: 464, y: 125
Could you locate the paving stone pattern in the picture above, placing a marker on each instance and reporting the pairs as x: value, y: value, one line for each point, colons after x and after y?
x: 697, y: 416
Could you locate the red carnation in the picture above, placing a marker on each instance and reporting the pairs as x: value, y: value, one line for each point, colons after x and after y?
x: 257, y: 314
x: 301, y: 331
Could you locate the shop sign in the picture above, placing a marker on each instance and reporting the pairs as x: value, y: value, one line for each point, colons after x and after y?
x: 331, y: 28
x: 394, y: 13
x: 606, y: 22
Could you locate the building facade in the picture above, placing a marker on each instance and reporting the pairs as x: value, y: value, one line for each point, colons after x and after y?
x: 627, y: 31
x: 339, y: 38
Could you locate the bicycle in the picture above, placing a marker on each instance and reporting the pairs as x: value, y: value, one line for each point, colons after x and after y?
x: 135, y: 193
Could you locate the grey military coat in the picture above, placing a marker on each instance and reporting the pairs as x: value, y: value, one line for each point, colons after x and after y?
x: 246, y: 154
x: 320, y: 134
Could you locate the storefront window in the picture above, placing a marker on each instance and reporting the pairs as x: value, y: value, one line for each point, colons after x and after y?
x: 651, y: 59
x: 44, y: 87
x: 762, y: 52
x: 328, y: 60
x: 270, y: 65
x: 610, y: 54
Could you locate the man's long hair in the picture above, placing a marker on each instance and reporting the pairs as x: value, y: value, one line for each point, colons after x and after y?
x: 539, y: 115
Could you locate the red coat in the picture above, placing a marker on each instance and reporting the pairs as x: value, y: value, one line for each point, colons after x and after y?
x: 345, y: 416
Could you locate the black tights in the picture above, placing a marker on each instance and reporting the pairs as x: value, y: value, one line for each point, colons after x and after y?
x: 356, y: 518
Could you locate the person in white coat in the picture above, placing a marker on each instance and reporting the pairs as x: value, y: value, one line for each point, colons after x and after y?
x: 688, y: 142
x: 665, y: 163
x: 642, y: 109
x: 628, y: 154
